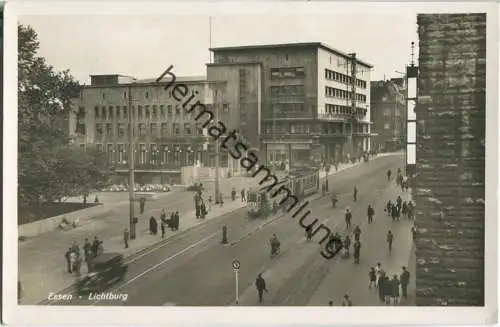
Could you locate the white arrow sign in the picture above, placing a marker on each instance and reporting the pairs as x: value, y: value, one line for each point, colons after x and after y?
x: 236, y: 265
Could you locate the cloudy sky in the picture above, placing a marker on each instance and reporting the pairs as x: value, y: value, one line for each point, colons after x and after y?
x: 144, y: 45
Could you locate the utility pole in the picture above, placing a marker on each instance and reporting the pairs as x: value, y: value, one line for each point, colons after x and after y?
x: 131, y: 181
x: 217, y: 153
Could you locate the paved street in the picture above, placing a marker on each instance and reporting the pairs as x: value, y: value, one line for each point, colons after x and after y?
x: 195, y: 269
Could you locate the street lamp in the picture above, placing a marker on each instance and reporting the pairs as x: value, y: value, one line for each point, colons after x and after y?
x: 131, y: 181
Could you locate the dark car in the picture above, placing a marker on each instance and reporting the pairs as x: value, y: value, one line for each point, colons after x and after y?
x: 105, y: 269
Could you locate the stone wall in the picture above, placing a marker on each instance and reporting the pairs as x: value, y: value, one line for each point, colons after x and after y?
x: 449, y: 186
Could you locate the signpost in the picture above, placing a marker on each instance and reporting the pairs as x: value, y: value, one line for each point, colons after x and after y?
x: 236, y: 269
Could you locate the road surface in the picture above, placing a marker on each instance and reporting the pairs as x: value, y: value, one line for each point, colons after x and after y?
x: 195, y: 269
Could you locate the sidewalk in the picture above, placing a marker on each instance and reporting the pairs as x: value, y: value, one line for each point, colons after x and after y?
x: 42, y: 266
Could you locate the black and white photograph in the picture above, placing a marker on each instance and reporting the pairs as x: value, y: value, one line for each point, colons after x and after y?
x: 201, y: 162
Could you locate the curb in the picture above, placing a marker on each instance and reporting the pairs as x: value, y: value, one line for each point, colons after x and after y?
x: 72, y: 287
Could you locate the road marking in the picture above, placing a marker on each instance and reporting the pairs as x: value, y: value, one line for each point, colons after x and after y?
x: 162, y: 262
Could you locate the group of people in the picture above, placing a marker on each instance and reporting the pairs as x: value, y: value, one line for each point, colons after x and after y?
x: 400, y: 208
x: 389, y: 288
x: 401, y: 180
x: 74, y: 257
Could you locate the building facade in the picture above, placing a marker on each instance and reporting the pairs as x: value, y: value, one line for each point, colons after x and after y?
x: 449, y: 186
x: 388, y: 108
x: 295, y: 100
x: 166, y: 137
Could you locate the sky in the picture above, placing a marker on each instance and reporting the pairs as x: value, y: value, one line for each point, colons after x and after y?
x: 144, y: 45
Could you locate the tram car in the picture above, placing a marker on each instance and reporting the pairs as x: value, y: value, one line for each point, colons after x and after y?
x: 301, y: 183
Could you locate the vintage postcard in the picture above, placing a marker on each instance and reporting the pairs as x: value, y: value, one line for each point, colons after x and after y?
x: 201, y: 163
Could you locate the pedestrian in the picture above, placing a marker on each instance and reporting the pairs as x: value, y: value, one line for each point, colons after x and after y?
x: 100, y: 248
x: 95, y: 247
x: 209, y: 202
x: 243, y: 199
x: 126, y: 236
x: 399, y: 202
x: 233, y: 194
x: 378, y: 272
x: 404, y: 280
x: 404, y: 209
x: 87, y: 248
x: 394, y: 212
x: 372, y: 274
x: 67, y: 255
x: 387, y: 289
x: 381, y: 286
x: 330, y: 303
x: 370, y: 213
x: 389, y: 175
x: 395, y: 290
x: 355, y: 193
x: 348, y: 218
x: 172, y: 221
x: 390, y: 239
x: 75, y: 248
x: 413, y: 232
x: 203, y: 209
x: 357, y: 233
x: 260, y: 284
x: 347, y: 301
x: 142, y: 204
x: 177, y: 220
x: 162, y: 230
x: 309, y: 232
x: 72, y: 259
x: 153, y: 226
x: 357, y: 249
x: 411, y: 207
x: 389, y: 208
x: 221, y: 199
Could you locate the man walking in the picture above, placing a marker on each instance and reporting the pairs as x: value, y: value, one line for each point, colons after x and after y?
x: 390, y: 239
x: 142, y: 204
x: 243, y: 199
x: 260, y: 284
x: 348, y: 218
x: 404, y: 280
x: 355, y: 193
x: 370, y: 213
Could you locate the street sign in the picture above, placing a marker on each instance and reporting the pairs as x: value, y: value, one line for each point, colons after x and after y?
x: 236, y: 265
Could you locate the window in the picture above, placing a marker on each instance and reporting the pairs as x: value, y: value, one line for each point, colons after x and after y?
x: 103, y: 95
x: 110, y: 112
x: 104, y: 113
x: 125, y: 94
x: 187, y: 128
x: 155, y: 111
x: 139, y: 112
x: 96, y: 112
x: 147, y: 113
x: 99, y: 148
x: 142, y: 154
x: 110, y: 152
x: 125, y: 112
x: 147, y: 95
x: 109, y: 129
x: 81, y: 112
x: 164, y: 129
x: 162, y: 111
x: 121, y: 130
x: 142, y: 130
x: 153, y: 129
x: 121, y: 153
x: 82, y: 145
x: 98, y: 129
x: 176, y: 129
x: 387, y: 112
x: 225, y: 107
x: 169, y: 109
x: 177, y: 109
x: 387, y: 126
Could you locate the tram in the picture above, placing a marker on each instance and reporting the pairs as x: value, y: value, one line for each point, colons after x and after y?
x: 301, y: 182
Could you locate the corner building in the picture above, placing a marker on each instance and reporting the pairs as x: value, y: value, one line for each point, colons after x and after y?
x: 294, y: 101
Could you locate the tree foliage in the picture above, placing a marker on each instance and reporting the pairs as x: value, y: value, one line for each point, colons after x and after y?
x: 50, y: 167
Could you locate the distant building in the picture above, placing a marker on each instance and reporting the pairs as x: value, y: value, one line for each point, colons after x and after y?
x: 388, y: 108
x: 166, y: 137
x: 295, y: 100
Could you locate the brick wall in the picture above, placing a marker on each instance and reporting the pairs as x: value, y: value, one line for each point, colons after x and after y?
x: 449, y: 186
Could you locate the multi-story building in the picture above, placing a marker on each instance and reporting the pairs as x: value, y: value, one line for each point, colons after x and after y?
x: 295, y: 101
x: 388, y: 108
x: 166, y: 137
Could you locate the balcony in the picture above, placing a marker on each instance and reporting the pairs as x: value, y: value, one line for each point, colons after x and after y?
x: 334, y: 117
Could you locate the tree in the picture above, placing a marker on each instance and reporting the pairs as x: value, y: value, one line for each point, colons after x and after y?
x: 50, y: 167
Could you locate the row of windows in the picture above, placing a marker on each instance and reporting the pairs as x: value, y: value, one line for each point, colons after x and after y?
x: 146, y: 111
x: 288, y: 90
x: 345, y: 110
x: 288, y: 107
x: 153, y: 148
x: 342, y: 78
x: 135, y: 93
x: 288, y: 128
x: 151, y: 129
x: 343, y: 94
x: 287, y: 72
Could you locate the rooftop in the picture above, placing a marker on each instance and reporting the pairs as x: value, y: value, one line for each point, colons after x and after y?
x: 289, y: 45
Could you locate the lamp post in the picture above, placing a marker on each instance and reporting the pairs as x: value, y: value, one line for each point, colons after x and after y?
x: 217, y: 162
